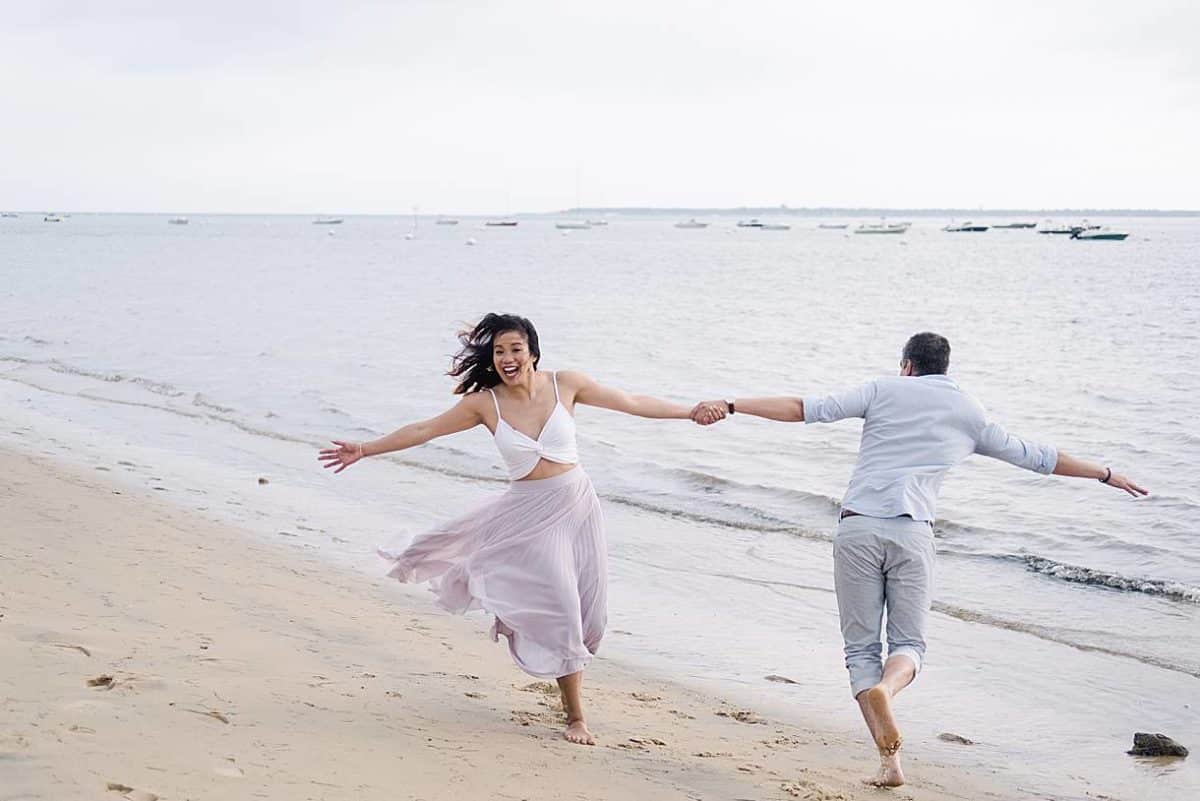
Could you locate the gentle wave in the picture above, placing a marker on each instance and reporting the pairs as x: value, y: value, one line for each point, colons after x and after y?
x: 1057, y: 636
x: 150, y: 385
x: 1076, y: 574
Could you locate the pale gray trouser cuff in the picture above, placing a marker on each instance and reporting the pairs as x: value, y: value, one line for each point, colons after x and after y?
x: 882, y: 565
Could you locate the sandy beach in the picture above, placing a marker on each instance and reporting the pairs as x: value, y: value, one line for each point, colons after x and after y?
x: 151, y: 653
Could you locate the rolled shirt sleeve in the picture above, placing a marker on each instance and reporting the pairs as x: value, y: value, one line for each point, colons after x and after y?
x: 840, y: 405
x: 997, y: 443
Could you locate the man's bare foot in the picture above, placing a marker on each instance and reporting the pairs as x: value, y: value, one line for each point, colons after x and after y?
x: 887, y: 733
x: 577, y: 732
x: 890, y: 774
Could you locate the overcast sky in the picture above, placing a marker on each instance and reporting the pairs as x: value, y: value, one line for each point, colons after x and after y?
x: 487, y: 107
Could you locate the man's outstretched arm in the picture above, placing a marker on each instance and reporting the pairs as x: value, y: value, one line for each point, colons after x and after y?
x: 785, y: 410
x: 1078, y: 468
x: 997, y: 443
x: 788, y: 409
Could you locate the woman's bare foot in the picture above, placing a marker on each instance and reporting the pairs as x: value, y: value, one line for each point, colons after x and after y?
x: 577, y: 732
x: 890, y: 774
x: 498, y: 629
x: 887, y: 733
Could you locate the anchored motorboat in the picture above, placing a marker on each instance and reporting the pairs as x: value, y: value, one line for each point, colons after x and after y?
x: 692, y: 223
x: 1099, y: 233
x: 966, y: 227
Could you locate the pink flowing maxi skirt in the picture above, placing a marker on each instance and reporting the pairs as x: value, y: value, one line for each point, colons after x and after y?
x: 534, y: 557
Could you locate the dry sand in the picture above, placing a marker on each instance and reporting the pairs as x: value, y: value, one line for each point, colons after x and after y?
x: 147, y: 652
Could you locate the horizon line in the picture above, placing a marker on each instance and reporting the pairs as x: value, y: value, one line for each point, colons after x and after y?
x: 814, y: 211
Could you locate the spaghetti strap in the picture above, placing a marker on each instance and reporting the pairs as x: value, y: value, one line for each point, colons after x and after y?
x: 554, y: 376
x: 496, y: 401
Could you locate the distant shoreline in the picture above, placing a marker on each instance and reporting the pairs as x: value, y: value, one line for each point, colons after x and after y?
x: 652, y: 211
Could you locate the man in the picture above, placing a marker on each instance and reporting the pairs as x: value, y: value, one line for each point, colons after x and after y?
x: 916, y: 427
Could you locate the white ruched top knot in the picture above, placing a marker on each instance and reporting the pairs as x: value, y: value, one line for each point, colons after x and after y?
x: 555, y: 443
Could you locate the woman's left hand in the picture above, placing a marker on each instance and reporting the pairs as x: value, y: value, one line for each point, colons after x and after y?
x: 341, y: 457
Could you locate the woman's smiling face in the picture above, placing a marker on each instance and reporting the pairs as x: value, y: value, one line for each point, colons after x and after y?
x: 511, y: 356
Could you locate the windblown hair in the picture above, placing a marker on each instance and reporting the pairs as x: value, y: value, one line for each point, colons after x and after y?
x: 474, y: 365
x: 928, y: 352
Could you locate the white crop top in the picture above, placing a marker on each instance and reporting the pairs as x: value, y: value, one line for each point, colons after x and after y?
x: 556, y: 442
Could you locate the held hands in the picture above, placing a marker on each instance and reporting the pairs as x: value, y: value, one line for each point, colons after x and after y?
x: 341, y: 457
x: 706, y: 413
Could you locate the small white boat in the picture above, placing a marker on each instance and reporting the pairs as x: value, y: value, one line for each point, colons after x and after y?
x: 833, y: 226
x: 692, y: 223
x: 178, y: 221
x: 882, y: 228
x: 52, y: 218
x: 1065, y: 230
x: 328, y: 221
x: 447, y: 221
x: 9, y: 214
x: 572, y: 225
x: 966, y: 227
x: 1016, y: 225
x: 749, y: 223
x: 776, y: 227
x: 1099, y: 234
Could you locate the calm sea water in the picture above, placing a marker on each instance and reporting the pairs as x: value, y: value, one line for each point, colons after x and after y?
x: 235, y: 343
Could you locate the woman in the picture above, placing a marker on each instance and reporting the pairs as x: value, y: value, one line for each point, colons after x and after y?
x: 535, y: 556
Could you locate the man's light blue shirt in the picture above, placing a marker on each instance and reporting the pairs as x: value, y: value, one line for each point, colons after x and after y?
x: 915, y: 429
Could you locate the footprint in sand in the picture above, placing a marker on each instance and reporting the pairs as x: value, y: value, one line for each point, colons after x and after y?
x: 647, y: 741
x: 810, y: 791
x: 543, y: 687
x: 784, y: 742
x: 740, y: 715
x: 526, y: 718
x: 646, y: 697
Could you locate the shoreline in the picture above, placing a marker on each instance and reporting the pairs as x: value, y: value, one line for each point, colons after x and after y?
x: 269, y: 672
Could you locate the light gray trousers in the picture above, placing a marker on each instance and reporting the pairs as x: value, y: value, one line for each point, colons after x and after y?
x: 882, y: 564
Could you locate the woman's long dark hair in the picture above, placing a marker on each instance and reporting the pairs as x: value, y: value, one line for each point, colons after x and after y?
x: 474, y: 365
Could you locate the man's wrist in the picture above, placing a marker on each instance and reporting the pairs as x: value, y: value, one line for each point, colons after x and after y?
x: 730, y: 406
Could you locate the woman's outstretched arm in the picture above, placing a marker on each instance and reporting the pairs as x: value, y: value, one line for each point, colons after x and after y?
x: 463, y: 415
x: 592, y: 393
